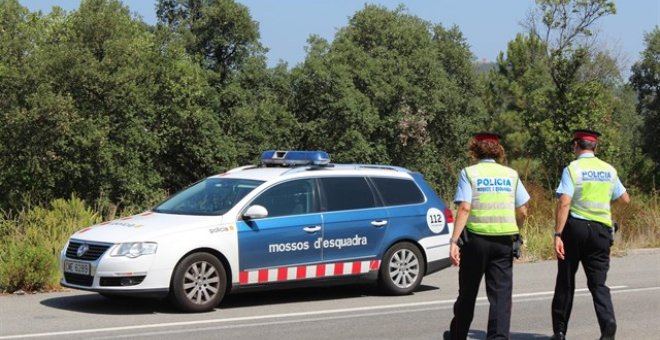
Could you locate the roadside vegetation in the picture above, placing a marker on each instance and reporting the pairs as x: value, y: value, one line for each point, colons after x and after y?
x: 102, y: 115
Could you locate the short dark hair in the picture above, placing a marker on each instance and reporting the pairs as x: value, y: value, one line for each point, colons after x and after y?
x: 586, y: 144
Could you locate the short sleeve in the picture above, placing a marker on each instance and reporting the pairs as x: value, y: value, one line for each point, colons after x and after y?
x: 566, y: 186
x: 521, y: 194
x: 619, y: 189
x: 464, y: 189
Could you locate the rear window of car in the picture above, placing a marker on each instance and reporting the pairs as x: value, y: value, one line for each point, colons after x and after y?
x: 396, y: 191
x: 347, y: 193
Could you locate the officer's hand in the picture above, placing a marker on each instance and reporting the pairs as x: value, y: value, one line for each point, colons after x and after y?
x: 559, y: 248
x: 454, y: 254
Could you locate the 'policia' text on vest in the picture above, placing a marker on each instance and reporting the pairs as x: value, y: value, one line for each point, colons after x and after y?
x: 600, y: 176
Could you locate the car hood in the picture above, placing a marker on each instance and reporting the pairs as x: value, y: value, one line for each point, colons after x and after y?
x: 147, y: 226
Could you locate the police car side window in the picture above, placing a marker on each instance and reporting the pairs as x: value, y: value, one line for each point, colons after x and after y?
x: 288, y: 198
x: 396, y: 191
x: 346, y: 193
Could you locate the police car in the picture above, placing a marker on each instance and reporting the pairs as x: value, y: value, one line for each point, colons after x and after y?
x: 295, y: 218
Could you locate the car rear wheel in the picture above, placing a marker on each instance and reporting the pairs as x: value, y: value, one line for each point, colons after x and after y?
x: 402, y: 269
x: 199, y: 283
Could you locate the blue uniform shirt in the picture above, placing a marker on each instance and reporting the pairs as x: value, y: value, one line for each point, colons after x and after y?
x: 566, y: 186
x: 464, y: 190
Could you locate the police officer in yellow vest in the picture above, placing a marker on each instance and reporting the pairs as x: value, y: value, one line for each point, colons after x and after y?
x: 491, y: 205
x: 584, y: 232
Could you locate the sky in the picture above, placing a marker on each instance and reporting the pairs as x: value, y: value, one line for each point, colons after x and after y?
x: 488, y: 25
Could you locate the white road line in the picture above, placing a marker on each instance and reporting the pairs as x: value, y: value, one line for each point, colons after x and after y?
x: 267, y: 323
x: 579, y: 290
x: 480, y: 302
x: 614, y: 289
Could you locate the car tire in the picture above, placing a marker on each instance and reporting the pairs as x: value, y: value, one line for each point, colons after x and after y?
x: 402, y: 269
x: 199, y: 283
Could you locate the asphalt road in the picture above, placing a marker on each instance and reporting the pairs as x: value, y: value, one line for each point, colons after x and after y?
x: 346, y: 312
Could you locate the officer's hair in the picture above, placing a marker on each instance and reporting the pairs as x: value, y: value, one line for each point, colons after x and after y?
x: 584, y: 144
x: 486, y: 149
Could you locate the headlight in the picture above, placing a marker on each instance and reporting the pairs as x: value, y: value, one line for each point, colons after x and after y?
x: 134, y: 249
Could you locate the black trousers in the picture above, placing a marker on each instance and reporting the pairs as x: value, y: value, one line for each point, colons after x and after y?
x: 587, y: 242
x: 489, y: 255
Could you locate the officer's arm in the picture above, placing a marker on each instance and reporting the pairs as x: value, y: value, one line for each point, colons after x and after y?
x: 461, y: 219
x: 522, y: 198
x: 561, y: 215
x: 521, y: 215
x: 623, y: 199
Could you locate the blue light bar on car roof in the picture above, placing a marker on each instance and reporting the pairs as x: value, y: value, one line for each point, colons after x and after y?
x: 292, y: 158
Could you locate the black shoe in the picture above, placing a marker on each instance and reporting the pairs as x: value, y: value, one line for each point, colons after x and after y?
x: 446, y: 335
x: 558, y: 336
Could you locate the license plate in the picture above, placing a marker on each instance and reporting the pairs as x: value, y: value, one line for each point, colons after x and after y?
x: 76, y: 267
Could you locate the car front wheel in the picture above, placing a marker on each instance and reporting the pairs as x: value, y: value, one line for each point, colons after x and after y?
x: 199, y: 283
x: 402, y: 269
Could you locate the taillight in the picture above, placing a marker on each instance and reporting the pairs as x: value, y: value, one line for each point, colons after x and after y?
x: 449, y: 216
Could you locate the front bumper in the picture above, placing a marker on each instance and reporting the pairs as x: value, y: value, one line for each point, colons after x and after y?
x: 116, y: 274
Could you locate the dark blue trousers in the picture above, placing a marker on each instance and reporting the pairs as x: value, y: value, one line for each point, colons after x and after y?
x: 489, y: 255
x: 587, y: 242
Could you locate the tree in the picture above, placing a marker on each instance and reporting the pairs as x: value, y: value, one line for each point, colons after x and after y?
x: 518, y: 97
x: 390, y: 88
x: 192, y: 142
x: 220, y: 33
x: 645, y: 79
x: 109, y: 109
x: 36, y: 126
x: 20, y: 33
x: 247, y: 99
x: 554, y: 80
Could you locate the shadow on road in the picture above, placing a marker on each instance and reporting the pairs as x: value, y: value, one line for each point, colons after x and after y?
x: 96, y: 304
x: 280, y: 296
x: 93, y: 303
x: 475, y: 334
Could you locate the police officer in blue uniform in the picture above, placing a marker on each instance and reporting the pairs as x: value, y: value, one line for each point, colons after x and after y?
x: 584, y: 233
x: 491, y: 205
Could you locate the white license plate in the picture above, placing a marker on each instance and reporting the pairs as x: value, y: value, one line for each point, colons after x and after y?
x: 76, y: 267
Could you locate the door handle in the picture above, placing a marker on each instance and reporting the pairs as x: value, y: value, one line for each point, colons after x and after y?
x: 312, y: 229
x: 379, y: 223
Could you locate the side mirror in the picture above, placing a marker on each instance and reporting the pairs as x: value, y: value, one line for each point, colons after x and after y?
x: 254, y: 212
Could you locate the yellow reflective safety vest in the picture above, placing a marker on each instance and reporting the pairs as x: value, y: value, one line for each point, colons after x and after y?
x: 594, y: 182
x: 492, y: 210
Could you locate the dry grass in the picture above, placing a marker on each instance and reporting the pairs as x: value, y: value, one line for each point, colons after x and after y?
x: 639, y: 224
x: 539, y: 226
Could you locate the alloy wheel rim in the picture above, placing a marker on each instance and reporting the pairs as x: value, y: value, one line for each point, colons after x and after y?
x: 404, y: 268
x: 201, y: 282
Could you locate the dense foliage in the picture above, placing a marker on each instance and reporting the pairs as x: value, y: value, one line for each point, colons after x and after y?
x: 646, y: 80
x: 98, y: 105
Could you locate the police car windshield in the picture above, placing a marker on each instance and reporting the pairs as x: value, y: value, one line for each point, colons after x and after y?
x: 212, y: 196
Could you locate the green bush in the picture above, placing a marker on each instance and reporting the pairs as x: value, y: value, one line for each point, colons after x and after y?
x: 50, y: 227
x: 34, y: 238
x: 26, y: 266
